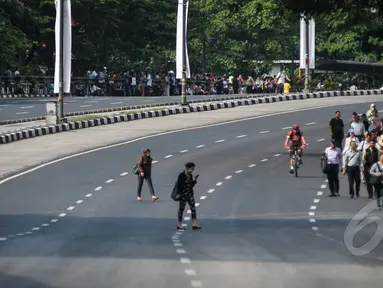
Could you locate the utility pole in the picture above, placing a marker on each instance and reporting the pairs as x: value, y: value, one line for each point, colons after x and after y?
x: 61, y: 70
x: 307, y: 70
x: 183, y: 81
x: 204, y: 54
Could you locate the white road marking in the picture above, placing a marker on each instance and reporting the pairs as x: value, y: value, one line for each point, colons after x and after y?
x: 168, y: 156
x: 219, y: 184
x: 152, y: 136
x: 88, y: 195
x: 183, y: 151
x: 202, y: 198
x: 176, y: 240
x: 54, y: 220
x: 313, y: 207
x: 98, y: 188
x: 211, y: 191
x: 241, y: 136
x: 20, y: 113
x: 311, y: 123
x: 3, y: 105
x: 264, y: 160
x: 181, y: 251
x: 70, y: 208
x: 109, y: 181
x: 228, y: 177
x: 186, y: 218
x: 326, y: 180
x: 91, y: 102
x: 28, y: 232
x: 238, y: 171
x: 3, y: 239
x: 263, y: 132
x: 277, y: 155
x: 220, y: 141
x: 315, y: 228
x: 188, y: 212
x: 311, y: 213
x: 312, y: 220
x: 27, y: 107
x: 319, y: 193
x: 184, y: 225
x: 199, y: 146
x: 36, y: 228
x: 83, y: 106
x: 177, y: 244
x: 285, y: 128
x: 155, y: 161
x: 62, y: 215
x: 184, y: 260
x: 116, y: 103
x: 321, y: 140
x: 197, y: 204
x: 20, y: 234
x: 124, y: 174
x: 190, y: 272
x: 323, y: 186
x: 316, y: 200
x: 196, y: 284
x: 45, y: 225
x: 252, y: 165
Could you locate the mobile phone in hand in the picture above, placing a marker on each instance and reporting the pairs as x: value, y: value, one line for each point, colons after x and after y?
x: 196, y: 177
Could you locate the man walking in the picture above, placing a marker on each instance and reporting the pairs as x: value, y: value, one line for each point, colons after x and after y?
x: 337, y: 129
x: 333, y: 155
x: 352, y: 165
x: 369, y: 158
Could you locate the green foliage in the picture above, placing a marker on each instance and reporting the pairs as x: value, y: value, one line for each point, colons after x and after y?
x: 125, y: 34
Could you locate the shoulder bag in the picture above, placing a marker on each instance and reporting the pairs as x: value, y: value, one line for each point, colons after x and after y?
x: 376, y: 180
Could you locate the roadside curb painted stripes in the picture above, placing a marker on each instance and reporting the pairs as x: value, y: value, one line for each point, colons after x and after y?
x: 46, y: 130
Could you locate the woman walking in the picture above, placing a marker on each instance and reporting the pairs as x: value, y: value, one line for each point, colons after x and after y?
x: 185, y: 184
x: 145, y: 172
x: 377, y: 171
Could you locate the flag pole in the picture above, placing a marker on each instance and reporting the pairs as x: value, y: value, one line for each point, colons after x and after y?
x: 183, y: 81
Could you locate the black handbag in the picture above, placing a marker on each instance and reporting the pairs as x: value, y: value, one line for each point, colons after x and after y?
x: 176, y: 196
x: 376, y: 180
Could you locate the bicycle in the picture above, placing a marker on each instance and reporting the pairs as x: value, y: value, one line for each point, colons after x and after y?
x: 296, y: 159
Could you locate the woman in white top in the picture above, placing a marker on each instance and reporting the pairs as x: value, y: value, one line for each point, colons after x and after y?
x: 377, y: 170
x: 349, y: 139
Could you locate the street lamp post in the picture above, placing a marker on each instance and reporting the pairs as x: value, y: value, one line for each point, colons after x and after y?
x: 183, y: 81
x: 307, y: 67
x: 61, y: 71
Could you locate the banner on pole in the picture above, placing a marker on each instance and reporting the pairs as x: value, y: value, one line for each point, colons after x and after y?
x: 303, y: 43
x: 182, y: 45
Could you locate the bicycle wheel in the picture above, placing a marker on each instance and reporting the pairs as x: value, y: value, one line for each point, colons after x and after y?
x: 296, y: 165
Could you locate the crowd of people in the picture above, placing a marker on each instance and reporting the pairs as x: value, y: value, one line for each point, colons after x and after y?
x: 359, y: 156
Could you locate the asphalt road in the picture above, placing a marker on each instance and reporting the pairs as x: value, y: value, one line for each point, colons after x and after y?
x: 11, y: 109
x: 257, y: 230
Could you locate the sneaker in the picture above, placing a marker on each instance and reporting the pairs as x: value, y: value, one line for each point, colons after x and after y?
x: 139, y: 199
x: 154, y: 198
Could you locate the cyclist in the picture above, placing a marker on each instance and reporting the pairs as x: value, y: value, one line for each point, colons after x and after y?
x: 297, y: 141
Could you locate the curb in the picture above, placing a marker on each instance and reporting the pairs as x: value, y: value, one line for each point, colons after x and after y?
x: 126, y: 108
x: 46, y: 130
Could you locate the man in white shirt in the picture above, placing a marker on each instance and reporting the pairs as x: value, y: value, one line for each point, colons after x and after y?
x: 358, y: 127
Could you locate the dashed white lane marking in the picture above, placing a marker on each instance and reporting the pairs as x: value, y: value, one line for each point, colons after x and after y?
x: 91, y: 102
x: 83, y: 106
x: 187, y: 218
x: 168, y: 156
x: 20, y: 234
x: 316, y: 200
x: 184, y: 260
x: 311, y: 213
x: 203, y: 197
x: 188, y: 212
x: 177, y: 244
x: 200, y: 146
x: 36, y: 228
x: 79, y: 201
x: 277, y: 155
x: 319, y: 193
x: 183, y: 151
x: 312, y: 220
x: 323, y: 186
x: 181, y: 251
x: 88, y: 195
x: 264, y: 132
x: 98, y: 188
x: 264, y: 160
x: 27, y: 107
x: 116, y: 103
x: 326, y: 180
x: 252, y: 165
x: 285, y: 128
x: 313, y: 207
x: 109, y: 181
x: 228, y: 177
x: 155, y: 161
x: 45, y: 225
x: 124, y: 174
x: 220, y: 141
x: 219, y: 184
x: 3, y: 239
x: 196, y: 284
x: 321, y: 140
x: 28, y: 233
x: 238, y: 171
x: 70, y: 208
x: 190, y: 272
x: 54, y: 220
x: 311, y: 123
x: 197, y: 204
x: 211, y: 191
x: 20, y: 113
x: 62, y: 215
x: 241, y: 136
x: 314, y: 228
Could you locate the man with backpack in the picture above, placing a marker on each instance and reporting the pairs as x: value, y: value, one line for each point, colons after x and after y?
x: 331, y: 163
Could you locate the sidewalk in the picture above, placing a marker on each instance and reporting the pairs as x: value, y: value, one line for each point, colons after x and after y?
x: 31, y: 152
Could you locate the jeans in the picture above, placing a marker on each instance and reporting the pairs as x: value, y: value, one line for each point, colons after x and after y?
x: 141, y: 182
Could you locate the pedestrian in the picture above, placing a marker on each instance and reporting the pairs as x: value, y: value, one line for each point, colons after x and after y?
x: 337, y: 129
x: 333, y: 156
x: 145, y: 173
x: 377, y: 171
x: 358, y: 128
x: 185, y: 184
x: 352, y: 167
x: 369, y: 158
x: 350, y: 138
x: 365, y: 144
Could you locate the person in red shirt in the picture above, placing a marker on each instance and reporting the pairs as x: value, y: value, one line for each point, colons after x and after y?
x: 297, y: 141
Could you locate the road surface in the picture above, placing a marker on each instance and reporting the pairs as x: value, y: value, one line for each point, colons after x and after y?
x: 11, y: 109
x: 76, y: 223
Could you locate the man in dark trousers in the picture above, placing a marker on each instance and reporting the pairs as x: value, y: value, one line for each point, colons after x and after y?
x: 337, y: 129
x: 370, y: 157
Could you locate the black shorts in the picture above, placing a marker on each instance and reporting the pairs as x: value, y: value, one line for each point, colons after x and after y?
x: 292, y: 149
